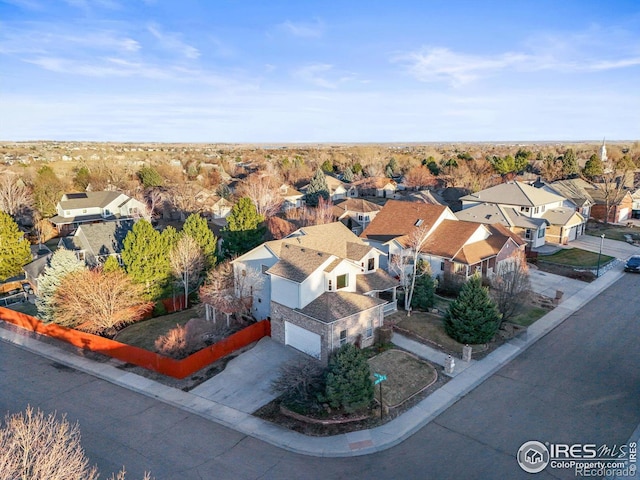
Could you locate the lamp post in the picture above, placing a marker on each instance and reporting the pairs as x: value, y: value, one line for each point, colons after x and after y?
x: 599, y: 255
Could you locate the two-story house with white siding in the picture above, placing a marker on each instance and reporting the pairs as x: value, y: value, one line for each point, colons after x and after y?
x: 75, y: 209
x: 323, y: 287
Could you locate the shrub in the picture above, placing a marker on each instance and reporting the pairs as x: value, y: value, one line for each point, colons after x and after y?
x: 424, y: 293
x: 348, y: 380
x: 383, y: 336
x: 300, y: 382
x: 159, y: 309
x: 173, y: 343
x: 473, y: 317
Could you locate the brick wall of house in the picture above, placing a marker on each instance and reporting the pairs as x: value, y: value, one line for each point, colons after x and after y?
x: 354, y: 324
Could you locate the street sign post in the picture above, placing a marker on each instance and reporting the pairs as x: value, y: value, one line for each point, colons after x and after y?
x: 379, y: 378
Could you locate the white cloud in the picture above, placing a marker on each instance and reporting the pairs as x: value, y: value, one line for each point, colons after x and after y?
x: 303, y: 29
x: 172, y: 41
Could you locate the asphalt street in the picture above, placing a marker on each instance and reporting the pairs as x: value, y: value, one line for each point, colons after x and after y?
x: 580, y: 383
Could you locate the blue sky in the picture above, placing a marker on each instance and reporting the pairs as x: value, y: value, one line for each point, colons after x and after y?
x: 330, y: 71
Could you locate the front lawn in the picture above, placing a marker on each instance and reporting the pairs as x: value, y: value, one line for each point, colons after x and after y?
x: 575, y: 257
x: 430, y: 327
x: 143, y: 334
x: 614, y: 232
x: 530, y: 315
x: 406, y: 376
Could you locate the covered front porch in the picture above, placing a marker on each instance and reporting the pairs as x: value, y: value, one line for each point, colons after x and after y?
x: 380, y: 284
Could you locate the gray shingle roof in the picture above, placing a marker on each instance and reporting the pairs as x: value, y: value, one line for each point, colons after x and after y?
x: 514, y: 193
x: 332, y: 306
x: 298, y: 262
x: 102, y: 238
x: 88, y: 199
x: 377, y: 281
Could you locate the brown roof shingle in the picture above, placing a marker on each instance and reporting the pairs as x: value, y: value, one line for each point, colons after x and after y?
x: 332, y: 306
x: 398, y: 218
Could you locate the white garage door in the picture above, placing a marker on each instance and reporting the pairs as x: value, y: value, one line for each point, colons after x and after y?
x: 301, y: 339
x: 624, y: 215
x: 573, y: 233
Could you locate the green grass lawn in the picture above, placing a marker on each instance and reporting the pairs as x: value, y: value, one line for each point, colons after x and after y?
x: 430, y: 327
x: 143, y: 334
x: 406, y: 376
x: 529, y: 316
x: 614, y: 232
x: 575, y: 257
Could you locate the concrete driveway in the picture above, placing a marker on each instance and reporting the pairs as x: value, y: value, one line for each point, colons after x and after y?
x: 547, y: 284
x: 613, y: 248
x: 245, y: 382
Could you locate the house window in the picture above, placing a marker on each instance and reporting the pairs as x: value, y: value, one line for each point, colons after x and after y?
x: 360, y: 217
x: 330, y: 286
x: 372, y: 264
x: 542, y: 208
x: 342, y: 281
x: 541, y: 233
x: 264, y: 269
x: 524, y: 209
x: 343, y: 337
x: 536, y: 210
x: 442, y: 266
x: 527, y: 234
x: 369, y: 331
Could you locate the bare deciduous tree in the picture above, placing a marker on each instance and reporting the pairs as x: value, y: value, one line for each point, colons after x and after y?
x: 15, y: 196
x: 407, y: 265
x: 97, y: 302
x: 419, y: 177
x: 263, y: 190
x: 613, y: 185
x: 320, y: 215
x: 511, y: 286
x: 40, y: 447
x: 187, y: 262
x: 227, y: 293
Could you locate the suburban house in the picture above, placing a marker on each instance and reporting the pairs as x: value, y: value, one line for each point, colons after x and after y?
x: 635, y: 206
x: 575, y: 191
x: 355, y: 213
x: 95, y: 242
x: 322, y: 287
x: 337, y: 188
x: 375, y: 187
x: 450, y: 246
x: 561, y: 223
x: 291, y: 198
x: 397, y: 219
x: 75, y: 209
x: 620, y: 203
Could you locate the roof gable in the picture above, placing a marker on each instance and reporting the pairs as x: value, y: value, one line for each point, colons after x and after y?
x: 398, y: 218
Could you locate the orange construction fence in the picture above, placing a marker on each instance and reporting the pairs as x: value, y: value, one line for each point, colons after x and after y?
x: 138, y: 356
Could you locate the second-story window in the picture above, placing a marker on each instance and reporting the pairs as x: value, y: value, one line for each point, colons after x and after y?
x: 372, y: 264
x: 342, y: 281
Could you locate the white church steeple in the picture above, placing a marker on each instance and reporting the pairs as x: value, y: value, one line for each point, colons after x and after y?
x: 603, y: 152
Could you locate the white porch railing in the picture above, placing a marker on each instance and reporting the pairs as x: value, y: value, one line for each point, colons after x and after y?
x: 390, y: 307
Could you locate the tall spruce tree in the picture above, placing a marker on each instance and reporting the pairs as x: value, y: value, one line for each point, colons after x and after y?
x: 569, y: 164
x: 317, y: 188
x: 196, y: 227
x: 348, y: 382
x: 62, y: 263
x: 424, y: 292
x: 472, y: 317
x: 593, y: 168
x: 145, y: 256
x: 347, y: 175
x: 244, y: 230
x: 15, y: 250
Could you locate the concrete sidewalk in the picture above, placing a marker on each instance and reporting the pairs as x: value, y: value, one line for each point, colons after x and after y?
x: 345, y: 445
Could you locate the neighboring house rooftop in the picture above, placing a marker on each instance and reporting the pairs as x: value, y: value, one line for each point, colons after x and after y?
x: 399, y: 218
x: 99, y: 239
x: 355, y: 205
x: 72, y: 201
x: 491, y: 213
x: 332, y: 306
x: 574, y: 190
x: 563, y: 216
x: 513, y: 193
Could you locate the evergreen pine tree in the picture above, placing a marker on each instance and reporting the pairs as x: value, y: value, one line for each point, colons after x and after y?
x: 15, y: 250
x: 593, y: 167
x: 388, y: 172
x: 569, y: 164
x: 196, y: 227
x: 149, y: 177
x: 348, y: 382
x: 62, y: 263
x: 145, y: 255
x: 473, y: 317
x: 317, y: 188
x: 424, y: 292
x: 347, y: 175
x: 111, y: 265
x: 244, y: 229
x: 392, y: 166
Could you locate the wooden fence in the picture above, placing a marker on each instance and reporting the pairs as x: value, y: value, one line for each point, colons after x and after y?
x: 138, y: 356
